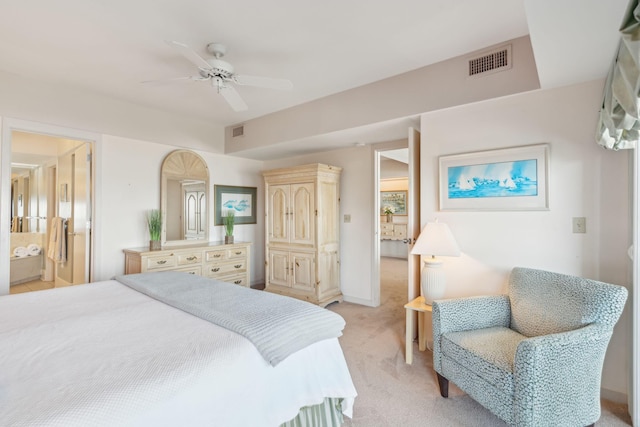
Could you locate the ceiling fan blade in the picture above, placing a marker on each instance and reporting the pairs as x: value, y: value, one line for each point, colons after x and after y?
x: 266, y: 82
x: 189, y: 54
x: 194, y: 78
x: 232, y: 97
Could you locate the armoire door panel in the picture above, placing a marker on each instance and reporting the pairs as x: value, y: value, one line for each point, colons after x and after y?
x: 302, y: 206
x: 202, y: 213
x: 279, y: 268
x: 191, y: 213
x: 277, y: 214
x: 303, y: 276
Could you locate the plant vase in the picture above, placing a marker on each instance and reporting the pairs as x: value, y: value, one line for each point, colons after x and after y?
x: 228, y: 221
x: 389, y: 217
x: 154, y: 222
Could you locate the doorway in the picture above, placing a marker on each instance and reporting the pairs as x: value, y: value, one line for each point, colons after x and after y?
x: 57, y: 166
x: 397, y: 170
x: 394, y: 199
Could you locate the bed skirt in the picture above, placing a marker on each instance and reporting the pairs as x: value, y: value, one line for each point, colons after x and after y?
x: 325, y: 414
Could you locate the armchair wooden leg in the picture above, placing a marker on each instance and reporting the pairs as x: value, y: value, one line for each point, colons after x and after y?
x: 443, y: 383
x: 591, y: 425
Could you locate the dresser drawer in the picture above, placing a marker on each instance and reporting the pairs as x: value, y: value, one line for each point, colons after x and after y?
x: 237, y: 253
x: 385, y: 226
x: 217, y: 270
x: 236, y: 279
x: 158, y: 262
x: 190, y: 258
x: 400, y: 232
x: 217, y: 255
x: 196, y: 269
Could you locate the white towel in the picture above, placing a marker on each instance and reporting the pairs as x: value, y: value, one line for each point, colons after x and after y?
x: 20, y: 251
x: 57, y: 248
x: 33, y: 249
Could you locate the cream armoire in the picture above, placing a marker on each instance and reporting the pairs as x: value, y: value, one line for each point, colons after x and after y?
x: 302, y: 254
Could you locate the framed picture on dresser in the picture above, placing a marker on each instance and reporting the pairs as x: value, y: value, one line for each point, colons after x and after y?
x: 242, y: 200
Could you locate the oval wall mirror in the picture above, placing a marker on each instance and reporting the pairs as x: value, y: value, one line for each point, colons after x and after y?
x: 184, y: 197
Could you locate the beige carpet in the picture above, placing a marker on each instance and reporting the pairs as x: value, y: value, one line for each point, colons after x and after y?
x: 392, y: 393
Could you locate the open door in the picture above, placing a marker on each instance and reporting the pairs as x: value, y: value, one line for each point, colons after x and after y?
x: 74, y: 173
x: 413, y: 221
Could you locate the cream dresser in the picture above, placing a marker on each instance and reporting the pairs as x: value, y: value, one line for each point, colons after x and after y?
x: 302, y: 258
x: 229, y: 263
x: 392, y: 231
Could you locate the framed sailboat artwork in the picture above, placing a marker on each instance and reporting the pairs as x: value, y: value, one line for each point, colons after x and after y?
x: 505, y: 179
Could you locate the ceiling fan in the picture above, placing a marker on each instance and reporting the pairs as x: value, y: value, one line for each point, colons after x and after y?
x: 222, y: 75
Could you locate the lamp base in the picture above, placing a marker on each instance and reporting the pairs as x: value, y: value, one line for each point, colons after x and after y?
x: 432, y: 280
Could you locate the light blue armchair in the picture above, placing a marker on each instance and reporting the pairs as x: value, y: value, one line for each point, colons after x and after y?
x: 533, y: 357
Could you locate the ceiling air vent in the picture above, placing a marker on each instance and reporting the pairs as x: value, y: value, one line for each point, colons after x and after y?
x: 497, y: 60
x: 237, y: 131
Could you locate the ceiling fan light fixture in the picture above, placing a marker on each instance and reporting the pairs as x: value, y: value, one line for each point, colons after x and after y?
x: 220, y: 67
x: 222, y: 74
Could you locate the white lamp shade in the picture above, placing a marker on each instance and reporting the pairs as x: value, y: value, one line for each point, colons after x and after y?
x: 436, y: 240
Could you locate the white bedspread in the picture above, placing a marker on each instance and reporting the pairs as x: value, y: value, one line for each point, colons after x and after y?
x: 105, y: 355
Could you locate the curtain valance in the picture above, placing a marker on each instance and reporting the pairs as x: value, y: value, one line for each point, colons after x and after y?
x: 619, y: 123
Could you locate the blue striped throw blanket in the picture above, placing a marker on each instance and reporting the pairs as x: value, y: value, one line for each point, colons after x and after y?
x: 277, y: 325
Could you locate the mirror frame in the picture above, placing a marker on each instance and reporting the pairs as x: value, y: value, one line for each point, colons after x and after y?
x: 183, y: 164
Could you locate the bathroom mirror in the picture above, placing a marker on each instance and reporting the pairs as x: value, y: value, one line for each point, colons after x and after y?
x: 184, y: 198
x: 28, y: 203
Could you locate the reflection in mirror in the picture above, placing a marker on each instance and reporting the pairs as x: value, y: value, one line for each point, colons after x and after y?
x: 184, y: 198
x: 28, y: 206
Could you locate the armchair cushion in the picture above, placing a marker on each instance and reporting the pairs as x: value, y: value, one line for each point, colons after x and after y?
x: 489, y: 352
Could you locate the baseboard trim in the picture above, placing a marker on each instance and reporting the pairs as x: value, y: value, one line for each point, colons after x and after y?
x: 360, y: 301
x: 614, y: 396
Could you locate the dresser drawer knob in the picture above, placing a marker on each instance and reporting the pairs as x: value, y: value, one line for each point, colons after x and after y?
x: 237, y: 282
x: 216, y: 269
x: 191, y: 258
x: 238, y: 265
x: 239, y: 253
x: 217, y: 256
x: 164, y: 261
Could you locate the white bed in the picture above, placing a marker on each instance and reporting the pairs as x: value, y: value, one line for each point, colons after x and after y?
x: 103, y: 354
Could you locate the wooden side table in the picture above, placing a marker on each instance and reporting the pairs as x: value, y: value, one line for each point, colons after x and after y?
x: 419, y: 306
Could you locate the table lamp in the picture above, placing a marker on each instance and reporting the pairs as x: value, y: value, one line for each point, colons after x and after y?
x: 435, y: 240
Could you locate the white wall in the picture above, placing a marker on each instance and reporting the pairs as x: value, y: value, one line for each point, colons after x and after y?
x: 585, y: 181
x: 130, y: 186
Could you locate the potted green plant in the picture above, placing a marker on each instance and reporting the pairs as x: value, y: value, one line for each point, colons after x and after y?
x: 154, y: 222
x: 229, y: 220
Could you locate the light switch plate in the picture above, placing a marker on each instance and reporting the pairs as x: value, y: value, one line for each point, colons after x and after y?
x: 579, y: 224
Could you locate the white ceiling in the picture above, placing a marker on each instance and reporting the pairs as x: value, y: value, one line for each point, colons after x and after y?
x: 323, y: 47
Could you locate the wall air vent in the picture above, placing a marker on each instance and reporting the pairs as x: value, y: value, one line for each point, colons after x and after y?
x: 237, y: 131
x: 497, y: 60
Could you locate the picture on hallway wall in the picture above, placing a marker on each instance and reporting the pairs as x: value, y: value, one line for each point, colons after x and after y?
x: 396, y: 200
x: 505, y: 179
